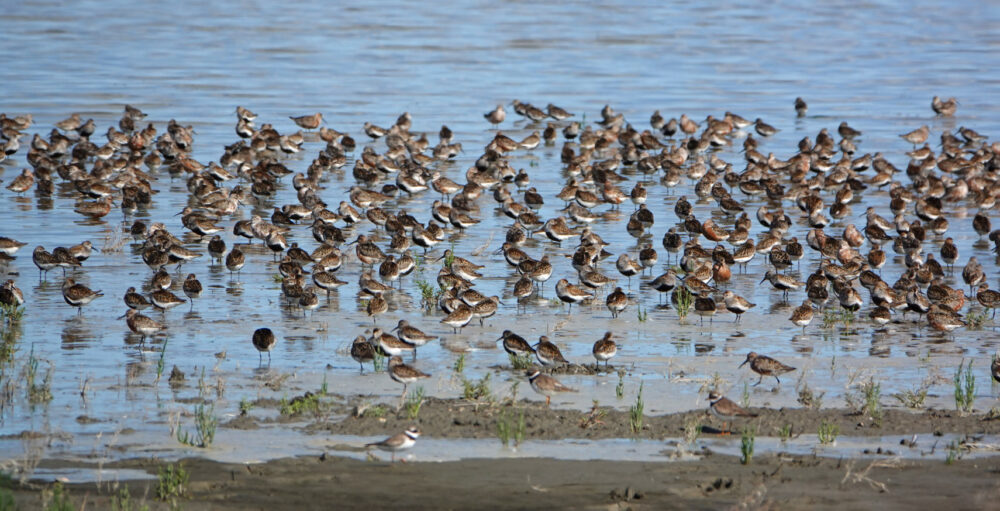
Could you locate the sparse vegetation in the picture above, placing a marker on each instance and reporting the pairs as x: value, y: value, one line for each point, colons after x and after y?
x: 635, y: 412
x: 785, y: 432
x: 10, y: 314
x: 376, y: 411
x: 122, y: 501
x: 459, y: 365
x: 205, y: 423
x: 56, y: 499
x: 914, y: 398
x: 172, y: 482
x: 306, y: 403
x: 478, y: 391
x: 692, y: 428
x: 245, y: 406
x: 414, y: 400
x: 379, y: 362
x: 745, y: 397
x: 746, y: 445
x: 620, y: 388
x: 867, y: 401
x: 642, y: 314
x: 954, y: 452
x: 828, y: 432
x: 807, y: 397
x: 428, y: 294
x: 684, y: 302
x: 833, y: 316
x: 37, y: 392
x: 520, y: 362
x: 161, y: 364
x: 965, y: 388
x: 974, y: 319
x: 510, y: 429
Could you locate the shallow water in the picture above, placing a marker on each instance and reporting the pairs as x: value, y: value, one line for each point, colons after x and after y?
x: 446, y: 64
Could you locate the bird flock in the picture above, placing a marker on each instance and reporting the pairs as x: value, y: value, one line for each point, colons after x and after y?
x: 369, y: 228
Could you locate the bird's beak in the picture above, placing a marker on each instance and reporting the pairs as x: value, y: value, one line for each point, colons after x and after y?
x: 744, y: 363
x: 762, y: 280
x: 123, y: 315
x: 394, y: 328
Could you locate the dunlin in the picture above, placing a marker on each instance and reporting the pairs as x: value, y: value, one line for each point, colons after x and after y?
x: 737, y: 304
x: 617, y: 301
x: 404, y: 374
x: 802, y: 315
x: 263, y: 339
x: 142, y: 325
x: 766, y: 366
x: 308, y: 122
x: 569, y: 293
x: 605, y: 349
x: 192, y: 288
x: 362, y: 351
x: 515, y: 345
x: 164, y: 299
x: 78, y: 295
x: 548, y: 353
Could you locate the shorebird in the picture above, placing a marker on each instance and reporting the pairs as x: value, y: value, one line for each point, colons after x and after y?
x: 569, y: 293
x: 78, y: 295
x: 362, y: 351
x: 801, y: 107
x: 605, y: 349
x: 725, y: 409
x: 404, y: 374
x: 617, y: 301
x: 704, y: 305
x: 308, y: 122
x: 11, y: 295
x: 140, y: 324
x: 548, y: 353
x: 164, y: 299
x: 515, y: 345
x: 546, y: 385
x: 766, y: 366
x: 192, y: 288
x: 390, y: 344
x: 44, y: 260
x: 782, y: 282
x: 737, y: 304
x: 802, y: 315
x: 398, y: 442
x: 458, y: 318
x: 263, y: 339
x: 496, y: 116
x: 412, y: 335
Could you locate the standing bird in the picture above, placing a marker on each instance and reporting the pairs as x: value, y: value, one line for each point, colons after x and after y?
x: 398, y: 442
x: 263, y: 340
x: 235, y: 260
x: 801, y: 107
x: 766, y: 366
x: 192, y: 288
x: 548, y: 353
x: 617, y: 301
x: 725, y: 409
x: 309, y: 122
x: 737, y: 304
x: 605, y: 349
x: 802, y: 315
x: 141, y: 324
x: 78, y: 295
x: 404, y: 374
x: 546, y: 385
x: 362, y: 351
x: 496, y: 116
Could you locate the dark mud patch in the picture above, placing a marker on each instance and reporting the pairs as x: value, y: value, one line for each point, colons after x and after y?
x: 715, y: 482
x: 456, y: 418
